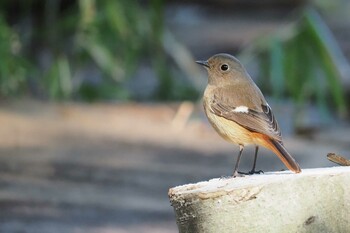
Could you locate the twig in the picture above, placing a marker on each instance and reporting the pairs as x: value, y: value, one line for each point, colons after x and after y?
x: 338, y: 159
x: 182, y: 115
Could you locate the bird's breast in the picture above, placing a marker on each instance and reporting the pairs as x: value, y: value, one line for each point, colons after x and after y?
x: 229, y: 130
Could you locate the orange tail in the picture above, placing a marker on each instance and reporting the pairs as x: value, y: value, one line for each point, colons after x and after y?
x: 284, y: 156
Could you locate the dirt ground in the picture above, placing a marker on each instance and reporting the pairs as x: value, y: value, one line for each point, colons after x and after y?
x: 108, y: 167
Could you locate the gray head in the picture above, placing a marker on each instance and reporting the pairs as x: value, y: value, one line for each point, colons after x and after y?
x: 224, y: 69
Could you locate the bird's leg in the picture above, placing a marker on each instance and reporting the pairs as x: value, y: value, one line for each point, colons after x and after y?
x: 253, y: 171
x: 235, y: 170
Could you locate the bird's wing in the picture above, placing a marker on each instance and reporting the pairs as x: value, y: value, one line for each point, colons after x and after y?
x: 257, y: 119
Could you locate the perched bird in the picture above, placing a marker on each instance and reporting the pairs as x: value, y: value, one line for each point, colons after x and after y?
x: 238, y: 111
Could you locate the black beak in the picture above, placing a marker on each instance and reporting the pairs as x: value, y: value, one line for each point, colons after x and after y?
x: 203, y: 63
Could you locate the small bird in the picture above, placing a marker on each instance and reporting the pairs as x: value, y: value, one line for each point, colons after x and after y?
x: 238, y: 111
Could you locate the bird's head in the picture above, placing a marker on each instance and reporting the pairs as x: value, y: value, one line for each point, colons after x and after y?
x: 223, y: 69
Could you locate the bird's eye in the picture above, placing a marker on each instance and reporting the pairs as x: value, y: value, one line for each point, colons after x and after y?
x: 224, y: 67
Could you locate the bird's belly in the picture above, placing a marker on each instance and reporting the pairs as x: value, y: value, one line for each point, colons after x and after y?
x: 230, y: 130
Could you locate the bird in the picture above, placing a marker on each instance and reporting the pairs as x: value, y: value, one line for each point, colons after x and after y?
x: 238, y: 111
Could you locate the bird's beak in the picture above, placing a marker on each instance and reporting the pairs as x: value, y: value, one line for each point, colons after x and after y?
x: 203, y: 63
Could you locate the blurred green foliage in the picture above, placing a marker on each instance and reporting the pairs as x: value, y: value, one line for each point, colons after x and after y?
x: 304, y: 64
x: 13, y: 68
x: 86, y: 49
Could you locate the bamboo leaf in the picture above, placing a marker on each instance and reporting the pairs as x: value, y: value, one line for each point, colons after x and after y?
x: 276, y: 68
x: 330, y: 55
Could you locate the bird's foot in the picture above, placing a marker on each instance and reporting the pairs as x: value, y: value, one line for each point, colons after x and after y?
x: 252, y: 172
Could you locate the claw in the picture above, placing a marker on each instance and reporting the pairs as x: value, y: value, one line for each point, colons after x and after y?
x: 256, y: 172
x: 252, y: 172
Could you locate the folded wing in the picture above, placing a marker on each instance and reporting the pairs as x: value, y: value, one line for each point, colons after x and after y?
x: 259, y: 119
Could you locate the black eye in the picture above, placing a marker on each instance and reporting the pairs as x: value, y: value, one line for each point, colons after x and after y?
x: 224, y: 67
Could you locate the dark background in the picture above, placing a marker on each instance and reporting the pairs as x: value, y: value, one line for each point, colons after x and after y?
x: 100, y: 105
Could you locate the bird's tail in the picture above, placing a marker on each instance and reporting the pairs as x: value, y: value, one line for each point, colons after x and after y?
x: 284, y: 156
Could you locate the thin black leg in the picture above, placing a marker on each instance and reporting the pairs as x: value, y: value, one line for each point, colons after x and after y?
x: 253, y: 171
x: 235, y: 170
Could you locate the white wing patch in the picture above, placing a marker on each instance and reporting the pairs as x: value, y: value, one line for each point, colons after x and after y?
x: 241, y: 109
